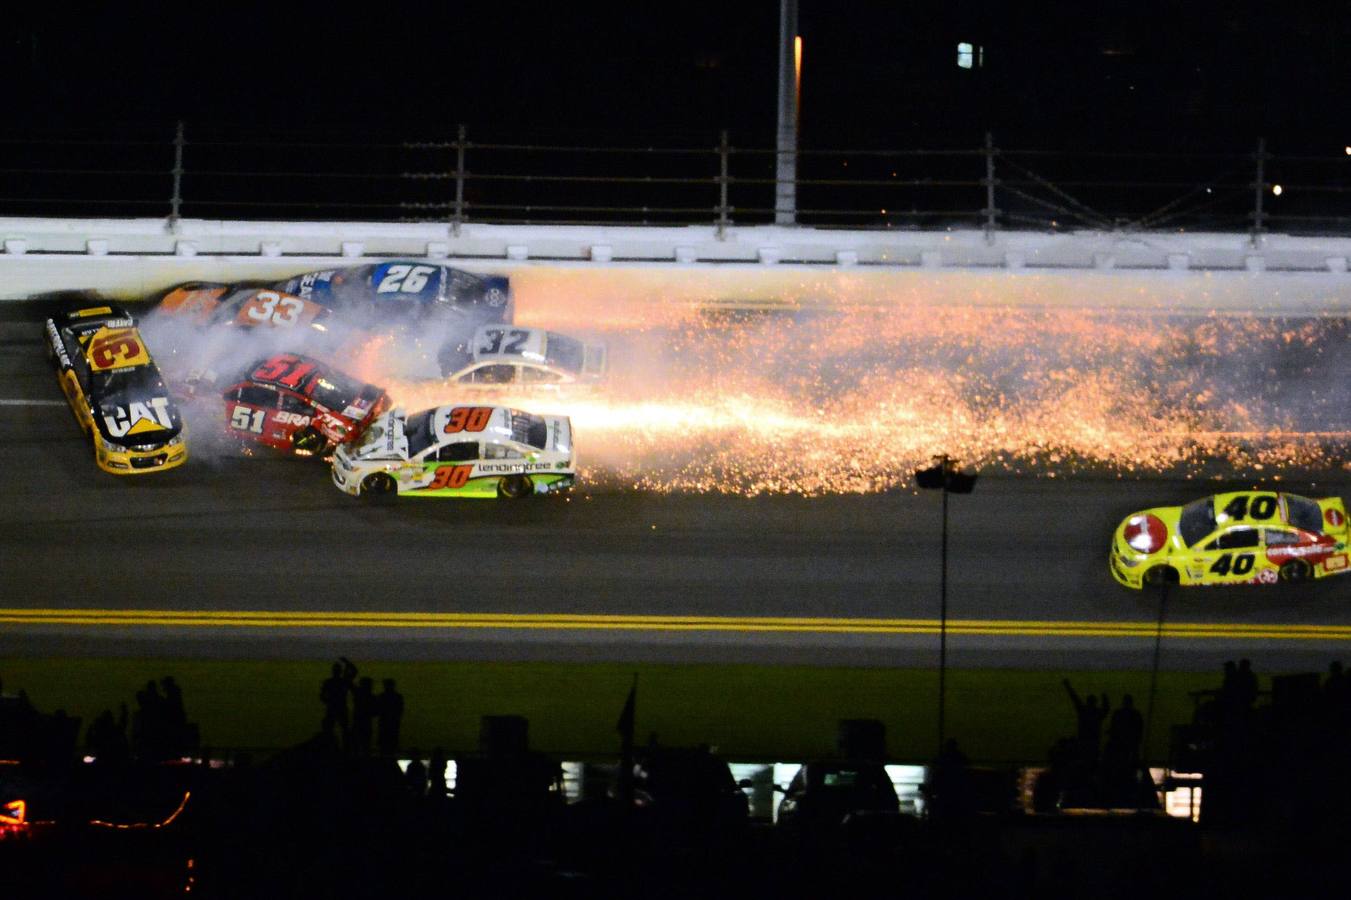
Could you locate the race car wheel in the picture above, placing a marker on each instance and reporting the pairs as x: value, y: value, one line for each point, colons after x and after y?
x: 1160, y: 575
x: 379, y: 486
x: 514, y: 487
x: 1295, y: 571
x: 307, y: 441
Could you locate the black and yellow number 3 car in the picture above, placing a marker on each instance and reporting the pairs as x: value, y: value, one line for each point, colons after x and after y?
x: 116, y: 391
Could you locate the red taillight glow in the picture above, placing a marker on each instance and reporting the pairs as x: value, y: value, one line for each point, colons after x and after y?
x: 1145, y: 533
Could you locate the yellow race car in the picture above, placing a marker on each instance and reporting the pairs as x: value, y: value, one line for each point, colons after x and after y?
x: 116, y: 391
x: 1241, y: 537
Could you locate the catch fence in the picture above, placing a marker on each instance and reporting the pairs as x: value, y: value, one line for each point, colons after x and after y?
x: 214, y: 173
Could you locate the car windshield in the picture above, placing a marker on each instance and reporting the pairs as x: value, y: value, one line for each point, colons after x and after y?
x: 1303, y: 513
x: 529, y: 429
x: 141, y: 381
x: 565, y: 352
x: 418, y: 429
x: 1198, y: 520
x: 334, y: 390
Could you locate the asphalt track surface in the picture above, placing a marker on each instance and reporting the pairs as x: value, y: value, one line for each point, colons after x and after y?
x: 261, y: 557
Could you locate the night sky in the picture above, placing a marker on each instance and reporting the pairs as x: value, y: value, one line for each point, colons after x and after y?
x: 1200, y: 74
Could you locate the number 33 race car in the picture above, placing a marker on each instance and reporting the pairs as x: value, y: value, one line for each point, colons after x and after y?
x: 1244, y: 537
x: 459, y: 451
x: 116, y: 391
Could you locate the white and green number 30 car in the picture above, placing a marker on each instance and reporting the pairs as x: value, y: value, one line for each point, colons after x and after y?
x: 459, y: 451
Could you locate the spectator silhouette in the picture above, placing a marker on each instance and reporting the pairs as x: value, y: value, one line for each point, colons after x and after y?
x: 436, y: 773
x: 1090, y: 717
x: 415, y: 776
x: 333, y: 694
x: 147, y: 724
x: 950, y: 789
x: 106, y: 738
x: 175, y: 716
x: 1336, y: 690
x: 364, y: 711
x: 1125, y: 732
x: 391, y: 717
x: 1121, y: 755
x: 1245, y: 686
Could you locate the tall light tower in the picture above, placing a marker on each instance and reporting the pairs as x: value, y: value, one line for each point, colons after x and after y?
x: 790, y: 82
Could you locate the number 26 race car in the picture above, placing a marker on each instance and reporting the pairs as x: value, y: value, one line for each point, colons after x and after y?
x: 459, y: 451
x: 1243, y: 537
x: 116, y: 391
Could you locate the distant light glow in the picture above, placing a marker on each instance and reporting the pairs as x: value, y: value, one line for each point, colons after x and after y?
x: 1277, y: 190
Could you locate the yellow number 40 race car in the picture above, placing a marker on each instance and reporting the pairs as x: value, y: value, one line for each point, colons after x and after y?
x: 116, y: 391
x: 1243, y: 537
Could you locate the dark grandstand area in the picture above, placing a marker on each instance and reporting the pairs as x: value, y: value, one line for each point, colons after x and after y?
x: 135, y: 805
x: 1123, y: 116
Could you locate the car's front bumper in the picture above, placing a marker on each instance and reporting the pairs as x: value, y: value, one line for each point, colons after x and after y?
x: 346, y: 480
x: 1128, y: 577
x: 132, y: 462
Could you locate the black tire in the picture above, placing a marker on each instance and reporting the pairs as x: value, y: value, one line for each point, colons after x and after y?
x: 1296, y: 571
x: 307, y: 441
x: 1160, y: 576
x: 515, y: 487
x: 379, y: 487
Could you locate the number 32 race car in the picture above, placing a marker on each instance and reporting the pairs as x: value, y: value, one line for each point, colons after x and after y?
x: 1244, y: 537
x: 459, y: 451
x: 116, y: 391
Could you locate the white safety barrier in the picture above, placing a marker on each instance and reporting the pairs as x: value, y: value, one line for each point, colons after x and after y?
x: 128, y: 258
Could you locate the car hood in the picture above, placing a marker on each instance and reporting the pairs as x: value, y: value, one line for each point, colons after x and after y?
x: 137, y: 420
x: 384, y: 439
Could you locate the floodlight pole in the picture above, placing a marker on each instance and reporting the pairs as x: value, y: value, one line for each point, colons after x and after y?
x: 785, y: 174
x: 1154, y: 672
x: 943, y: 620
x: 945, y: 477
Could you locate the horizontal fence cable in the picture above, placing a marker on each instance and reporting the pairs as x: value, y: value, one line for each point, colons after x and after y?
x: 159, y: 173
x: 591, y: 179
x: 1087, y: 213
x: 83, y: 200
x: 1159, y: 216
x: 1063, y: 211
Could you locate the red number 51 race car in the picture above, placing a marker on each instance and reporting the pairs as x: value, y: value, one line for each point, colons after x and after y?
x: 299, y: 404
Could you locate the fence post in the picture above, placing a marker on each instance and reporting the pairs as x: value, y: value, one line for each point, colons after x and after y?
x: 459, y: 182
x: 1259, y: 187
x: 990, y: 211
x: 176, y: 203
x: 723, y: 151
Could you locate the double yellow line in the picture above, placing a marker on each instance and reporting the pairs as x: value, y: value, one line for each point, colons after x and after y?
x: 573, y: 622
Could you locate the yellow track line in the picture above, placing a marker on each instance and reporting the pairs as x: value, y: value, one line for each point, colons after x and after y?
x: 582, y: 622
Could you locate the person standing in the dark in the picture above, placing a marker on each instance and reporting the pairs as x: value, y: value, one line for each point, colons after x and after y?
x: 364, y: 710
x: 391, y: 717
x: 1090, y: 717
x: 333, y: 694
x: 1124, y: 733
x: 436, y: 773
x: 1121, y: 754
x: 1245, y: 686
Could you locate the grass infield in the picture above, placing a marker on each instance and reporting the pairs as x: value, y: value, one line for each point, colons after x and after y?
x: 752, y: 713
